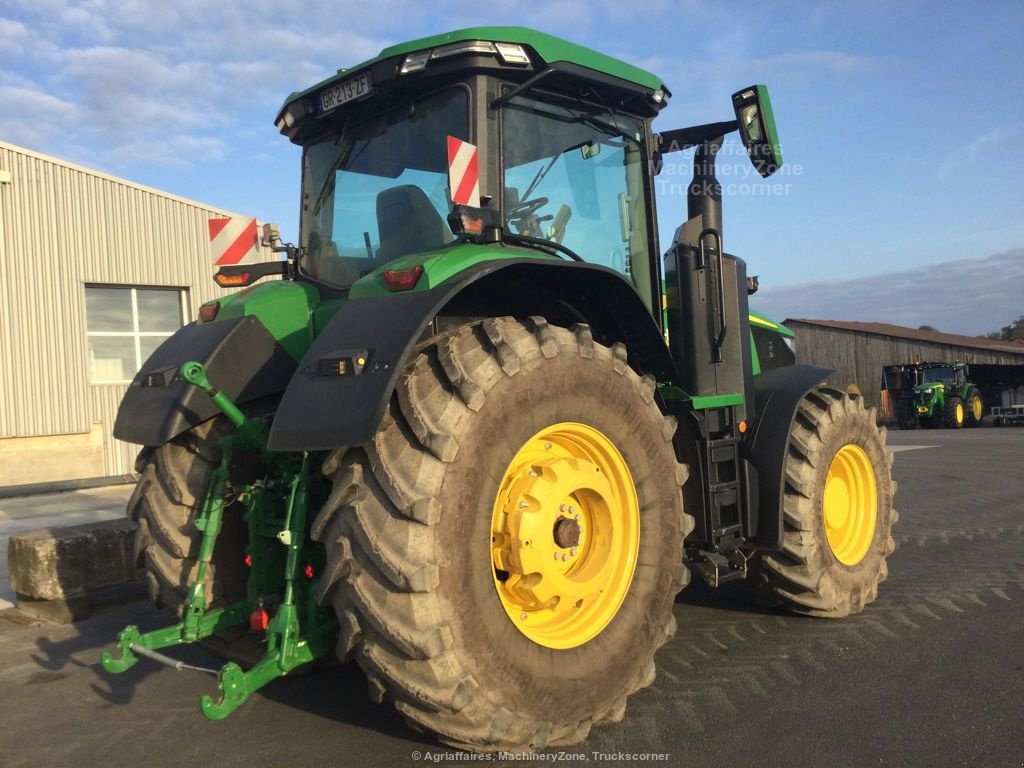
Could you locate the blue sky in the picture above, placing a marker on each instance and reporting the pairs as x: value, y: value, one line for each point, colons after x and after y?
x: 902, y: 122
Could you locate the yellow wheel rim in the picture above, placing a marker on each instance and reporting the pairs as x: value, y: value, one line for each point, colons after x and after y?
x: 977, y: 407
x: 565, y: 533
x: 850, y: 505
x: 959, y: 413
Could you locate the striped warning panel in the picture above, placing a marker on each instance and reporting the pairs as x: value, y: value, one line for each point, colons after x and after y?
x: 463, y: 173
x: 232, y: 240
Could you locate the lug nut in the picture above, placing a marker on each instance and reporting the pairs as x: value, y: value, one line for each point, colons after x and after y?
x: 522, y: 617
x: 573, y: 551
x: 576, y: 518
x: 564, y: 558
x: 547, y: 446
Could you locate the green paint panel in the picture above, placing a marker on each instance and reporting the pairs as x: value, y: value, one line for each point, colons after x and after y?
x: 284, y: 307
x: 550, y: 48
x: 441, y: 265
x: 756, y: 318
x: 769, y: 121
x: 702, y: 403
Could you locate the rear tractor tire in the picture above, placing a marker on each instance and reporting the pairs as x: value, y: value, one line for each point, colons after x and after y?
x: 975, y: 408
x: 953, y: 415
x: 837, y: 508
x: 504, y: 555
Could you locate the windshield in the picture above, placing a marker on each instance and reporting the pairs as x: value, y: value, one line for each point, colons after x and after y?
x: 378, y: 190
x: 574, y: 175
x: 943, y: 374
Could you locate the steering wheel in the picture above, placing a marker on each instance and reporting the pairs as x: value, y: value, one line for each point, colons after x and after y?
x: 524, y: 209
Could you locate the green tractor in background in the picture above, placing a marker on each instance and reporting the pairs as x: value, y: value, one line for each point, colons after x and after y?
x: 942, y: 397
x: 452, y: 443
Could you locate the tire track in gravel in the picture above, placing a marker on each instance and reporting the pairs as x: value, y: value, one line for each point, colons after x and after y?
x: 729, y: 651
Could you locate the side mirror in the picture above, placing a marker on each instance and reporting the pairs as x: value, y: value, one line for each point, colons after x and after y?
x: 271, y: 235
x: 757, y: 127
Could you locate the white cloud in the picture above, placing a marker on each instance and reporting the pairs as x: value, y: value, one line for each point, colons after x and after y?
x: 31, y: 118
x: 174, y: 152
x: 968, y: 296
x: 994, y: 140
x: 13, y: 37
x: 143, y: 76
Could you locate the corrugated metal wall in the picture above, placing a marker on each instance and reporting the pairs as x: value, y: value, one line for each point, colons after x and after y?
x: 860, y: 357
x: 62, y: 227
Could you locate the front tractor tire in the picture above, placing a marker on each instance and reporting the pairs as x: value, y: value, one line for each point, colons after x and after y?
x: 504, y: 555
x: 906, y: 414
x: 953, y: 414
x: 975, y: 408
x: 837, y: 508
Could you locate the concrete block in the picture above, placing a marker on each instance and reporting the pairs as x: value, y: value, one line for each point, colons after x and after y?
x: 65, y: 563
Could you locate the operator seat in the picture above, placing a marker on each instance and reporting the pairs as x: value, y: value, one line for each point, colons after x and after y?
x: 408, y: 223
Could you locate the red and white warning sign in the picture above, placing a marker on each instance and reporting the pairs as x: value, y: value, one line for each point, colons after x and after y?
x: 233, y: 240
x: 463, y: 174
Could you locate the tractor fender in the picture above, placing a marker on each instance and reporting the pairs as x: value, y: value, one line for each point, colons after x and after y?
x: 334, y: 400
x: 766, y: 442
x: 240, y: 356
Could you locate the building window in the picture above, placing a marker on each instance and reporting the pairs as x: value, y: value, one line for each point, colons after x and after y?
x: 125, y: 325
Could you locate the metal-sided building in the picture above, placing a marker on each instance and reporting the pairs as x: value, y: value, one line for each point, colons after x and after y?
x: 861, y: 350
x: 96, y: 272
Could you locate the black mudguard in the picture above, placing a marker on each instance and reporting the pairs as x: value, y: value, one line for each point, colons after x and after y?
x: 241, y: 358
x: 766, y: 443
x: 322, y: 410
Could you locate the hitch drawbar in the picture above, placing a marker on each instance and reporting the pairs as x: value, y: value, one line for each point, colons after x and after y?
x: 276, y: 512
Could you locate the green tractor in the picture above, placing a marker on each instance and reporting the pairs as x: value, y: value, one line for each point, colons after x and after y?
x: 452, y: 443
x: 942, y: 397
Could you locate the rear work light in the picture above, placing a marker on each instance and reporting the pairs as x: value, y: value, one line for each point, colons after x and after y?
x: 479, y: 225
x: 402, y: 279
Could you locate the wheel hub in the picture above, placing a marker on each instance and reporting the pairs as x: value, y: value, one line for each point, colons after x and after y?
x: 850, y: 505
x: 565, y: 535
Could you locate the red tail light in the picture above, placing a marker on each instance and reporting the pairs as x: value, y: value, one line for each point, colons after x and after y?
x: 259, y: 620
x: 402, y: 279
x: 208, y: 312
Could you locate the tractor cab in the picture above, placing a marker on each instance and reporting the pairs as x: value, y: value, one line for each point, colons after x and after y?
x: 502, y: 127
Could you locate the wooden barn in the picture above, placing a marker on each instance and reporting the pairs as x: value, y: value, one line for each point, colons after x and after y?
x: 860, y: 352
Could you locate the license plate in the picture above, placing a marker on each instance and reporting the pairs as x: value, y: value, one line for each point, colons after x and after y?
x: 344, y: 91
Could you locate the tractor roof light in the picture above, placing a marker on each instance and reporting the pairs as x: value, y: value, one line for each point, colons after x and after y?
x: 414, y: 62
x: 512, y: 54
x: 509, y: 53
x: 466, y: 46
